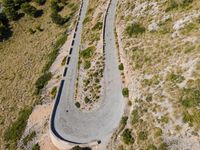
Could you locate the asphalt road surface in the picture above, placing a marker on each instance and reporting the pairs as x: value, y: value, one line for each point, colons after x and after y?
x: 70, y: 124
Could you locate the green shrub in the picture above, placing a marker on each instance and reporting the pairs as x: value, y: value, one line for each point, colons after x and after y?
x: 121, y: 66
x: 127, y: 137
x: 125, y: 92
x: 98, y: 26
x: 172, y: 4
x: 54, y: 91
x: 88, y: 52
x: 191, y: 97
x: 42, y: 81
x: 19, y: 2
x: 31, y: 31
x: 29, y: 9
x: 124, y: 120
x: 151, y: 147
x: 55, y: 8
x: 134, y: 29
x: 80, y: 148
x: 87, y: 64
x: 52, y: 56
x: 185, y: 3
x: 164, y: 119
x: 29, y: 137
x: 163, y: 146
x: 143, y: 135
x: 57, y: 18
x: 10, y: 10
x: 36, y: 147
x: 64, y: 61
x: 39, y: 28
x: 14, y: 132
x: 188, y: 28
x: 158, y: 132
x: 87, y: 100
x: 78, y: 105
x: 187, y: 117
x: 135, y: 116
x: 175, y: 78
x: 129, y: 103
x: 3, y: 30
x: 40, y: 2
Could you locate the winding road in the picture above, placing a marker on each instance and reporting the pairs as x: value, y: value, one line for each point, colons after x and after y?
x: 69, y: 125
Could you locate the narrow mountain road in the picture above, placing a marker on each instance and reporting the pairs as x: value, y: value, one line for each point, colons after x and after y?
x: 70, y: 125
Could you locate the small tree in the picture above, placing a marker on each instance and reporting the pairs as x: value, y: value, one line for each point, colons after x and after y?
x: 121, y: 67
x: 3, y: 30
x: 57, y: 19
x: 29, y: 9
x: 127, y: 137
x: 78, y: 105
x: 87, y: 100
x: 9, y: 9
x: 40, y: 2
x: 125, y: 92
x: 54, y: 6
x: 19, y: 2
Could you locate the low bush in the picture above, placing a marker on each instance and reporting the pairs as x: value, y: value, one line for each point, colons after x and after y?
x: 124, y: 120
x: 29, y: 9
x: 98, y: 26
x: 158, y: 132
x: 187, y: 117
x: 52, y: 56
x: 31, y: 31
x: 42, y: 81
x: 174, y: 4
x: 10, y: 9
x: 191, y: 97
x: 14, y: 132
x: 121, y: 67
x: 36, y: 147
x: 125, y: 92
x: 134, y: 29
x: 77, y: 104
x: 55, y: 8
x: 135, y: 116
x: 29, y: 137
x: 64, y: 61
x: 164, y: 119
x: 175, y: 78
x: 57, y: 18
x: 88, y: 52
x: 87, y: 64
x: 151, y: 147
x: 171, y: 4
x: 143, y: 135
x: 40, y: 2
x: 54, y: 91
x: 163, y: 146
x: 80, y: 148
x: 127, y: 137
x: 87, y: 100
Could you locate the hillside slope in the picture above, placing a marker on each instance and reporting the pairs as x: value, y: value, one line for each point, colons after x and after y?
x: 159, y: 46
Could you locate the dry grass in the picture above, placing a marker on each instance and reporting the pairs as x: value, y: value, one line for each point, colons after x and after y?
x: 22, y: 59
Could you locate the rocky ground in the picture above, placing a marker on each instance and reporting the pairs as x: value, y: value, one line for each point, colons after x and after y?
x: 159, y: 46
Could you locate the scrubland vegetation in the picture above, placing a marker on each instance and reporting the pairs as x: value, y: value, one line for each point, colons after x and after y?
x: 160, y: 41
x: 28, y: 49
